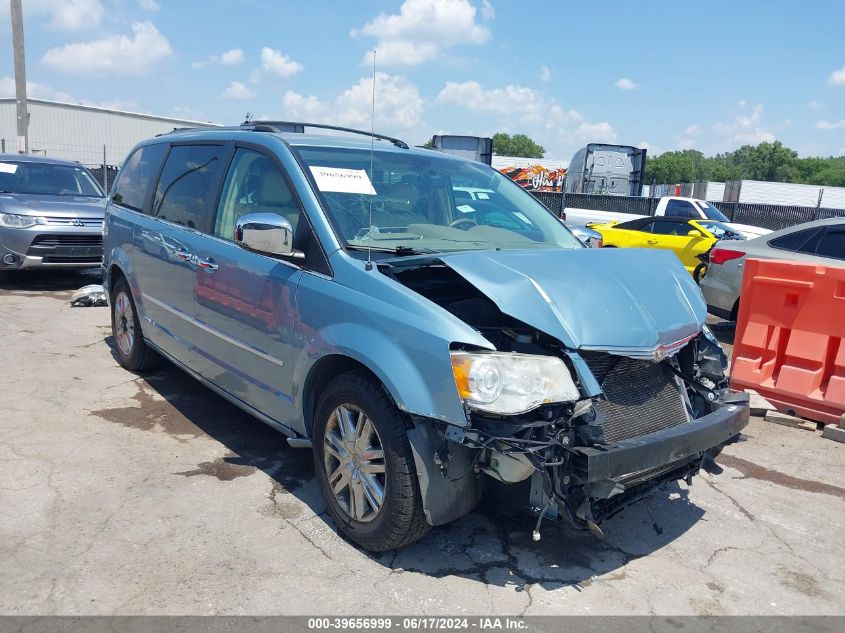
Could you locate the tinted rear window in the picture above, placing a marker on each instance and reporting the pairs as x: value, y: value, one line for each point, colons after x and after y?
x: 793, y: 241
x: 188, y: 183
x: 832, y: 244
x: 137, y: 176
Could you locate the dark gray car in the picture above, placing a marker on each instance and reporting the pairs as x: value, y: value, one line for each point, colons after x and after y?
x: 51, y: 214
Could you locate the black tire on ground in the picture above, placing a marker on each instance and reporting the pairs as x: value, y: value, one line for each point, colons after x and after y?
x: 400, y: 521
x: 699, y: 272
x: 139, y: 356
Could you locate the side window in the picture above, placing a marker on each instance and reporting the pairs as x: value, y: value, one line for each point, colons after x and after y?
x: 188, y: 183
x: 681, y: 209
x: 832, y: 244
x: 793, y: 241
x: 136, y: 178
x: 254, y: 185
x: 660, y: 227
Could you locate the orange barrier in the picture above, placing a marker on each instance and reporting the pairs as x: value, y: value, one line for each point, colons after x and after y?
x: 790, y: 337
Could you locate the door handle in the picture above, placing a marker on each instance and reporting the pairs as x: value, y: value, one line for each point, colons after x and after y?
x: 185, y: 256
x: 206, y: 263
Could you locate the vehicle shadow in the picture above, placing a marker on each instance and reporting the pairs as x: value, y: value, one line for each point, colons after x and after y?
x: 58, y: 284
x: 491, y: 545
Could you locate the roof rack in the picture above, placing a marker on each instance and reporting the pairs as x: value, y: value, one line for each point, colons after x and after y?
x: 298, y: 127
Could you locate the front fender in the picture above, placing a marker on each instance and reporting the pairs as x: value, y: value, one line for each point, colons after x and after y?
x: 422, y: 385
x: 402, y: 338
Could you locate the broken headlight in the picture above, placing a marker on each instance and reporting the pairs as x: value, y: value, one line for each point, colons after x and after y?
x: 507, y: 384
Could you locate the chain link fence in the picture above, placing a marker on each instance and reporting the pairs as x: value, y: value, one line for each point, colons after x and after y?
x: 768, y: 216
x: 774, y: 216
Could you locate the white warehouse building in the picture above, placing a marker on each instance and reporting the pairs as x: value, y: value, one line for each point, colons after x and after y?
x: 86, y: 134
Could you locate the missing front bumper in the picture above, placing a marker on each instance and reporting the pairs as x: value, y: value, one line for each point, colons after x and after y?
x: 672, y: 445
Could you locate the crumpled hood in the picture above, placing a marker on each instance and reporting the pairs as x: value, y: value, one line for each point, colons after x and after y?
x: 56, y: 206
x: 600, y: 298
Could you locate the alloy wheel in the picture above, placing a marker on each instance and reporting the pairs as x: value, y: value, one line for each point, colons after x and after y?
x: 124, y: 323
x: 353, y: 457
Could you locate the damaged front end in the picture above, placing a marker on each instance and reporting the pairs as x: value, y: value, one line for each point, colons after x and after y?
x: 587, y: 427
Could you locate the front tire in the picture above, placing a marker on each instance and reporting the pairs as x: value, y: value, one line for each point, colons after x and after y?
x: 365, y: 466
x: 131, y: 349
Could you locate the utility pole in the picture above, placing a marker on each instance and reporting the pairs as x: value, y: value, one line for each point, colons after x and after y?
x: 20, y: 76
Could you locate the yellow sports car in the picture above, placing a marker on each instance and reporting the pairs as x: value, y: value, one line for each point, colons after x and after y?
x: 684, y: 237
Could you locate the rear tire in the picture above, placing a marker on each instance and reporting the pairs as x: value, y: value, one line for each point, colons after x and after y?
x: 699, y: 272
x: 131, y: 349
x: 365, y: 467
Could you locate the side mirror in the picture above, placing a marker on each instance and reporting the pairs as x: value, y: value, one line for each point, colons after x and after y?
x: 267, y: 233
x: 695, y: 233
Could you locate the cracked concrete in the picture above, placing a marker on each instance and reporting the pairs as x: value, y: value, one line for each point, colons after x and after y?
x: 150, y: 495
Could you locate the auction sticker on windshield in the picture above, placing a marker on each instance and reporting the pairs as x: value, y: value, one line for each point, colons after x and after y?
x: 8, y: 168
x: 343, y: 180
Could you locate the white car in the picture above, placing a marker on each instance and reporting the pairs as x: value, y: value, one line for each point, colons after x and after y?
x: 820, y: 241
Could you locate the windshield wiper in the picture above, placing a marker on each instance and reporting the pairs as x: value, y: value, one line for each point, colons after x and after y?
x: 396, y: 250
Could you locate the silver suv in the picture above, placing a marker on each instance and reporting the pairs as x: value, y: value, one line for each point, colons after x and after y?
x: 51, y: 214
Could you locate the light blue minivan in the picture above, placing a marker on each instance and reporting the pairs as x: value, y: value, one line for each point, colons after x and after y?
x: 341, y: 288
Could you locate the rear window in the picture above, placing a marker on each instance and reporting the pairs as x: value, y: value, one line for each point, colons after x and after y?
x: 137, y: 176
x: 681, y: 209
x: 832, y: 244
x: 793, y: 241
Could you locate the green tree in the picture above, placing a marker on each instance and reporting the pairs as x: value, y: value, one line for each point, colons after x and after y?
x: 517, y: 145
x: 767, y: 161
x: 688, y: 165
x: 429, y: 144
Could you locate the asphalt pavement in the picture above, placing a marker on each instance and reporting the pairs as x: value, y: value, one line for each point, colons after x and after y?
x: 124, y: 494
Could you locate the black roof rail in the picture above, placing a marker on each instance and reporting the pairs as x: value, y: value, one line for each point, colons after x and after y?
x: 299, y: 127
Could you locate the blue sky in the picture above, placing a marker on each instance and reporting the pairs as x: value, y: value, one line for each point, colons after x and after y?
x: 664, y: 75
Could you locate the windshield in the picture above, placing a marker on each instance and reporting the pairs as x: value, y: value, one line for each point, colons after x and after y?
x: 424, y: 203
x: 720, y: 231
x: 47, y: 179
x: 712, y: 213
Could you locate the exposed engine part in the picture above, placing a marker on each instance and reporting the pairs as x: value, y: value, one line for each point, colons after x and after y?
x: 508, y: 467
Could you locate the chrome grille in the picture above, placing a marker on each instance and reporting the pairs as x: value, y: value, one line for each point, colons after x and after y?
x: 64, y: 221
x: 642, y: 396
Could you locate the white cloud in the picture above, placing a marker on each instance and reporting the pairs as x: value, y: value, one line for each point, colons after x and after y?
x: 232, y: 57
x: 67, y: 15
x: 279, y: 63
x: 686, y: 143
x: 398, y: 104
x: 423, y: 30
x: 625, y: 84
x: 654, y: 150
x: 237, y: 90
x: 487, y: 10
x: 837, y: 77
x: 526, y: 109
x: 149, y: 5
x: 229, y: 58
x: 814, y: 105
x: 35, y: 90
x: 545, y: 74
x: 745, y: 128
x: 116, y: 54
x: 693, y: 130
x: 831, y: 125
